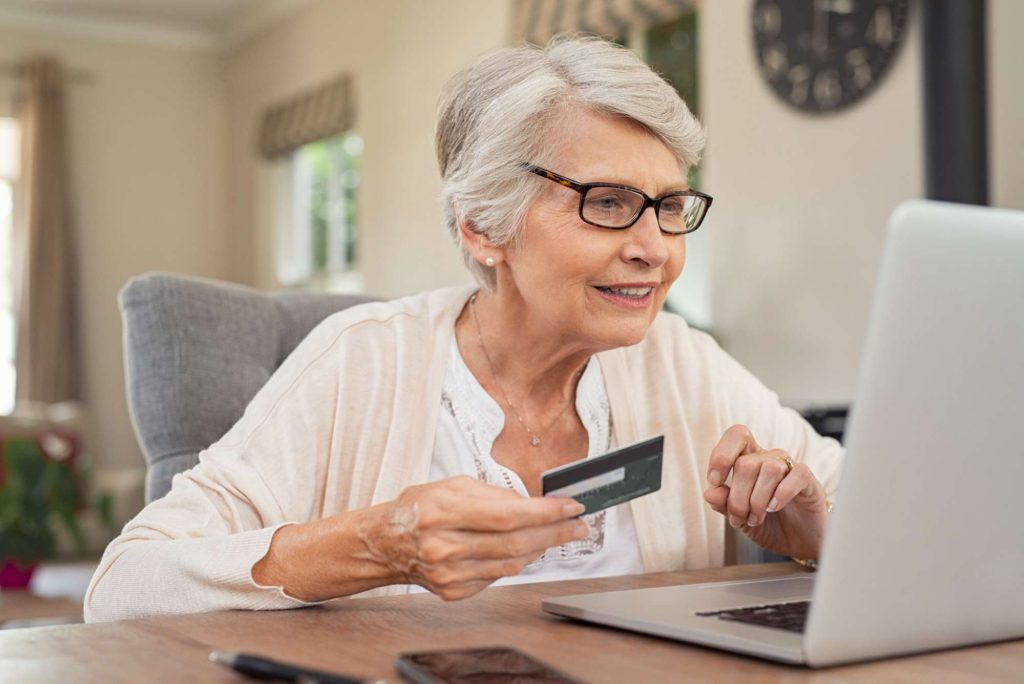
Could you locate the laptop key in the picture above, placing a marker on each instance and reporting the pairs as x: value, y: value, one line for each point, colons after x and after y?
x: 790, y: 616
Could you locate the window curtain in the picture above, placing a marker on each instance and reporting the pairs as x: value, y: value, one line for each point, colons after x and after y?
x: 536, y: 21
x: 44, y: 256
x: 314, y: 115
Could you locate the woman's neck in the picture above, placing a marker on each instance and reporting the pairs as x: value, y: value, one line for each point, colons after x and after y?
x: 517, y: 359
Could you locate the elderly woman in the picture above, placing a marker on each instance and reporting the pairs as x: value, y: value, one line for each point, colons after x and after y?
x: 401, y: 445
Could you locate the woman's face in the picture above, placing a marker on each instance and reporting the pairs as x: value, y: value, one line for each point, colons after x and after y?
x: 569, y: 274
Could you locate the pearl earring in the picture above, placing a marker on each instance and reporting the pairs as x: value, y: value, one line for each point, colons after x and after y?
x: 489, y: 261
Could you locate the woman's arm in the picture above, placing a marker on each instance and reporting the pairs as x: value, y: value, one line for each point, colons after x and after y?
x: 191, y: 552
x: 453, y: 537
x: 780, y: 472
x: 779, y: 504
x: 193, y: 549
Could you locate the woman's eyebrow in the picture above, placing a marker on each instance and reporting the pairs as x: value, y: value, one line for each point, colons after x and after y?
x: 669, y: 188
x: 662, y: 188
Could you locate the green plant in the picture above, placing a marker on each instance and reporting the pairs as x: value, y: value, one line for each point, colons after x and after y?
x: 35, y: 493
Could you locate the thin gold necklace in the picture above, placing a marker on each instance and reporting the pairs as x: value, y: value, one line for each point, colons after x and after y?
x: 534, y: 436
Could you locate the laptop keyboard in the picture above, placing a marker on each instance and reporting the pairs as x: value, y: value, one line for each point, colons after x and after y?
x: 788, y: 616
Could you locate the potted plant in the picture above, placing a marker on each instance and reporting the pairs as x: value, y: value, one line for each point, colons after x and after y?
x: 40, y: 496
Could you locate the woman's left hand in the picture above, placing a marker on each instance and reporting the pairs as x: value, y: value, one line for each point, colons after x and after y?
x: 781, y: 509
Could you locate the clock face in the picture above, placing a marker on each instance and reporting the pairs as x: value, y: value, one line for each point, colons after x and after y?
x: 823, y: 55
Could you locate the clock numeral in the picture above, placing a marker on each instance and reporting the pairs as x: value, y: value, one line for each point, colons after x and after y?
x: 775, y: 61
x: 827, y: 89
x: 841, y: 6
x: 768, y: 19
x: 824, y: 55
x: 880, y: 29
x: 800, y: 77
x: 858, y: 62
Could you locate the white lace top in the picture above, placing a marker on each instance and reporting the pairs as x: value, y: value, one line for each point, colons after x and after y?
x: 469, y: 422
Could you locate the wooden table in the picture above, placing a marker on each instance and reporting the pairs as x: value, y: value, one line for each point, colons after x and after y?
x: 363, y: 637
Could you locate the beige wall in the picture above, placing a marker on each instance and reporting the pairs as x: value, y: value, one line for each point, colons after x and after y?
x: 801, y: 201
x: 399, y: 53
x: 147, y: 179
x: 800, y: 208
x: 1006, y: 103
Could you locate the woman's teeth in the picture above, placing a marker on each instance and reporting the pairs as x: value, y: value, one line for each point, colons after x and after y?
x: 628, y: 291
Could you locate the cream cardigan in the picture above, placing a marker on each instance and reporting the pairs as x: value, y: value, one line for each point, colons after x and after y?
x: 348, y: 421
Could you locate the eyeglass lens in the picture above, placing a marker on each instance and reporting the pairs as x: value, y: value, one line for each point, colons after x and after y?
x: 616, y: 208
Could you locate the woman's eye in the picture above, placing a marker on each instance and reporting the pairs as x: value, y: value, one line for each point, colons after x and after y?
x: 672, y: 206
x: 606, y: 203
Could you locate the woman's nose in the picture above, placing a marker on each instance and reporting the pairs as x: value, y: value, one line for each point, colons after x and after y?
x: 645, y: 242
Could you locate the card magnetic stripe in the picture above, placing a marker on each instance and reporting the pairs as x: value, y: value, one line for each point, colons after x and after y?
x: 602, y: 464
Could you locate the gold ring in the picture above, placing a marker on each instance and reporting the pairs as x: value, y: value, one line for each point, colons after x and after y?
x: 789, y: 463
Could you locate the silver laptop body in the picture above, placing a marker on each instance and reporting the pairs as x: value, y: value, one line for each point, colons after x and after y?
x: 925, y: 547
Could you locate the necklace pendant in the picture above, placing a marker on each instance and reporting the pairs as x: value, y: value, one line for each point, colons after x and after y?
x: 535, y: 441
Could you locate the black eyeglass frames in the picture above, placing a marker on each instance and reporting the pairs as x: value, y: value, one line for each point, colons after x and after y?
x: 617, y: 207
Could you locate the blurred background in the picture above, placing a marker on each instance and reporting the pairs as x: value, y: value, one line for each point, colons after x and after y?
x: 287, y: 144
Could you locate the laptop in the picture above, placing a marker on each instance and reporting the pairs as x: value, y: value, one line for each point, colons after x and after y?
x: 924, y: 549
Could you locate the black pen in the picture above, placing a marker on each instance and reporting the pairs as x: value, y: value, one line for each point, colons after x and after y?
x: 264, y: 668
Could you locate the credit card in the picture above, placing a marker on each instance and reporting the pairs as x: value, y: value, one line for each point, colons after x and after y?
x: 611, y: 479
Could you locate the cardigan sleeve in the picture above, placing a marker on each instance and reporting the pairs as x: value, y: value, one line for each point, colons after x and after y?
x: 773, y: 425
x: 193, y: 550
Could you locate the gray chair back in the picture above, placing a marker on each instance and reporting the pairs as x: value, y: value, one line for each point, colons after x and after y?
x: 196, y: 351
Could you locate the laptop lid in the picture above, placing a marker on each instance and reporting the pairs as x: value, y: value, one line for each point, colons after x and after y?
x: 926, y: 547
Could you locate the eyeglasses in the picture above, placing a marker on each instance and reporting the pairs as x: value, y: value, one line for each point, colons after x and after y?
x: 614, y: 206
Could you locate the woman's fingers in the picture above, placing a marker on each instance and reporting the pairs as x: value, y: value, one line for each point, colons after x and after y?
x: 772, y: 472
x: 457, y: 564
x: 469, y: 578
x: 466, y: 504
x: 745, y: 472
x: 530, y: 541
x: 717, y: 498
x: 736, y: 442
x: 754, y: 476
x: 446, y: 546
x: 491, y: 515
x: 451, y: 577
x: 464, y: 534
x: 764, y: 482
x: 755, y: 479
x: 800, y: 479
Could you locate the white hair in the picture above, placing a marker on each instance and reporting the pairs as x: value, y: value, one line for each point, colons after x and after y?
x: 508, y: 108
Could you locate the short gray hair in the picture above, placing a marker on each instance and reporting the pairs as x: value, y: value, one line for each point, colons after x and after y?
x: 504, y: 109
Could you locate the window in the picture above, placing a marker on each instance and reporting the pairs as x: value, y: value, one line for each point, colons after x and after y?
x: 671, y: 50
x: 317, y: 215
x: 9, y: 163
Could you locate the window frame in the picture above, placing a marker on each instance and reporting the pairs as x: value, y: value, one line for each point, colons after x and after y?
x: 295, y: 236
x: 8, y: 317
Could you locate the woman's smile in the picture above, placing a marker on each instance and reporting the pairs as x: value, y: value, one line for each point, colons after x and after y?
x: 628, y: 295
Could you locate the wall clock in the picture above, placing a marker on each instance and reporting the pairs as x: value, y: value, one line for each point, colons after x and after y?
x: 824, y: 55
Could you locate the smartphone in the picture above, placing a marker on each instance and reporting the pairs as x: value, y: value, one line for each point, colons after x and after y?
x: 477, y: 665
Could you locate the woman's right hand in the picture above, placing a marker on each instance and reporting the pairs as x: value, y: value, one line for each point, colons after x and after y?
x: 453, y: 537
x: 456, y: 536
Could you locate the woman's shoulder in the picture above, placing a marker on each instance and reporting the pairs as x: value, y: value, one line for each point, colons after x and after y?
x: 416, y: 314
x: 422, y: 308
x: 370, y: 336
x: 671, y: 333
x: 674, y: 349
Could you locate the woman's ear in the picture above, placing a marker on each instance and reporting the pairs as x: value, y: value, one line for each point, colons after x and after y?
x: 478, y: 244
